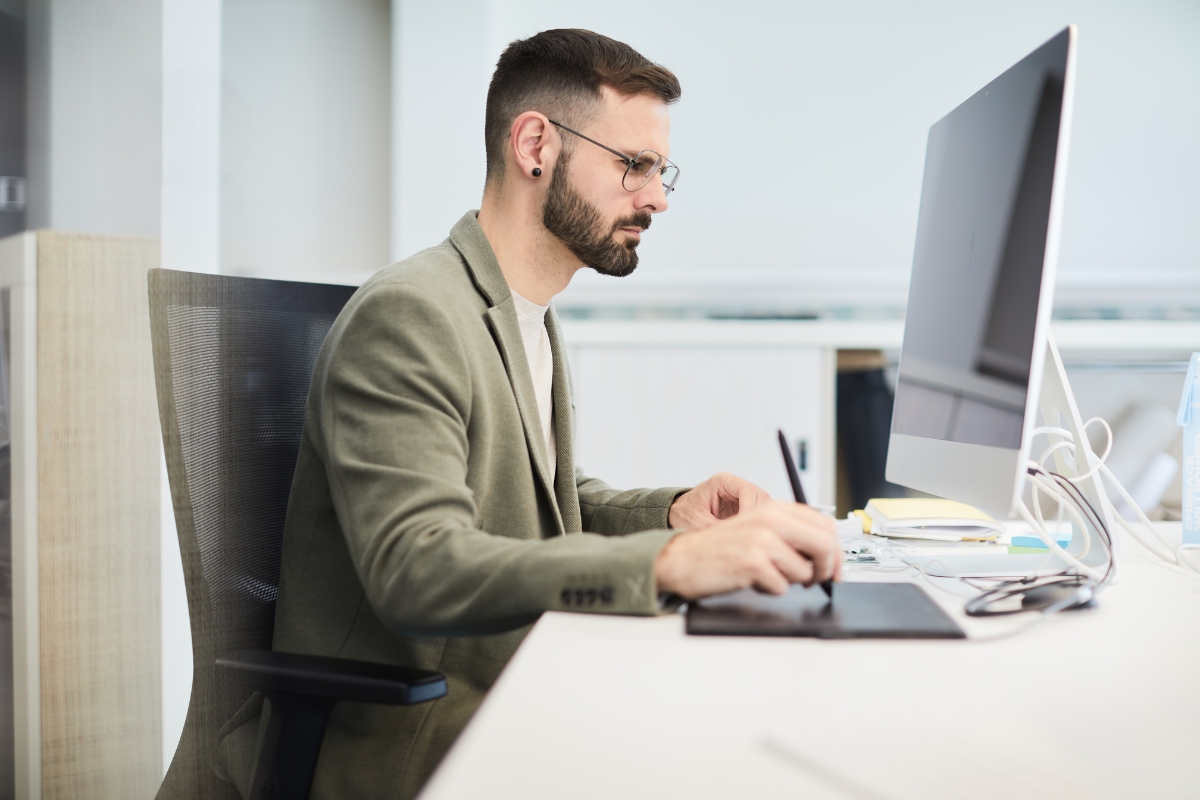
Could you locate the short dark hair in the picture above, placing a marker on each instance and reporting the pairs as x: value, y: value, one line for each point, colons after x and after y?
x: 559, y: 73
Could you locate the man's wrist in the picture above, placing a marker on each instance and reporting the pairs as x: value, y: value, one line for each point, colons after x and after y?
x: 671, y: 509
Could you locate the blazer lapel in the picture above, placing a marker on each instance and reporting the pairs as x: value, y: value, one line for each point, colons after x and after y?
x: 468, y: 238
x: 564, y: 431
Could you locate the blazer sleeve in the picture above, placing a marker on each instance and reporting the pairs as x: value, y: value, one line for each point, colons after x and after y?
x: 612, y: 512
x: 393, y: 403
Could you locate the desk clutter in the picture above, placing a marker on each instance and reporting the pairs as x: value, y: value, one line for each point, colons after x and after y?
x: 946, y: 521
x: 928, y: 518
x: 884, y: 537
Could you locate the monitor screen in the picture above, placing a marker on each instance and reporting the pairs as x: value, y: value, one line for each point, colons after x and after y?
x: 980, y: 249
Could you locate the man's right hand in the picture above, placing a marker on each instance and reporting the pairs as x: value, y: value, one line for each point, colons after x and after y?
x: 770, y: 547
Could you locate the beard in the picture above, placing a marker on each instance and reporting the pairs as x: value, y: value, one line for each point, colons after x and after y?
x: 578, y: 225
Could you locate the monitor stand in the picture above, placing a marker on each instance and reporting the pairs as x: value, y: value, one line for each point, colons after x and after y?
x: 1058, y: 410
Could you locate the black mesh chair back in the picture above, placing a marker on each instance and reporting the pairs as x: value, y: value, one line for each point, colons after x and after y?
x: 233, y: 358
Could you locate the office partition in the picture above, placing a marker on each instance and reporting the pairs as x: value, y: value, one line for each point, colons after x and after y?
x: 85, y: 495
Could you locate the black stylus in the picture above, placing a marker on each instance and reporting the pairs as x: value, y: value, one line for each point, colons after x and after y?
x: 797, y: 489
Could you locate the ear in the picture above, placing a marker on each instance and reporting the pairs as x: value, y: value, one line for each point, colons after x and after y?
x: 532, y: 146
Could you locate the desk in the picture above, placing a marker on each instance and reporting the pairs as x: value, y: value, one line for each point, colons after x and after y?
x: 611, y: 707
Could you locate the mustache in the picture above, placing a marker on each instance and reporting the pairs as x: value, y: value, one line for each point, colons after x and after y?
x: 639, y: 220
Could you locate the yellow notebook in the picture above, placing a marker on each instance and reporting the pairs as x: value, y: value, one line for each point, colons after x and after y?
x: 930, y: 518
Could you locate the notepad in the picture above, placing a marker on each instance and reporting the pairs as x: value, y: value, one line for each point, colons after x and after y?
x: 930, y: 518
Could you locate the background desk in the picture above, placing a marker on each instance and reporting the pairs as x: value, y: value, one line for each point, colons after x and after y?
x: 670, y: 402
x: 611, y: 707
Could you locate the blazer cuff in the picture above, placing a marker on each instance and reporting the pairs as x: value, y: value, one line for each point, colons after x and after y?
x: 654, y: 510
x: 625, y: 584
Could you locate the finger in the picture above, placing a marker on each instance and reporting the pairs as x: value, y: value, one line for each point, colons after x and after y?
x: 733, y: 495
x: 822, y: 537
x: 770, y: 580
x: 839, y: 557
x: 793, y: 566
x: 749, y: 496
x: 727, y: 496
x: 753, y: 497
x: 830, y: 527
x: 807, y: 532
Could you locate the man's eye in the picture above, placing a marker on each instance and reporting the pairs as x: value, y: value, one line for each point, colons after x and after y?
x: 641, y: 167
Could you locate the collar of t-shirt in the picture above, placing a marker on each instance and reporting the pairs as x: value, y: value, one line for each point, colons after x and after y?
x: 532, y: 319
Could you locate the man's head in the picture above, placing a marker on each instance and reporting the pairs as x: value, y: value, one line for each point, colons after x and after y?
x: 607, y: 92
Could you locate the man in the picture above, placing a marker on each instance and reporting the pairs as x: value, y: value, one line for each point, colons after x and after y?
x: 436, y: 510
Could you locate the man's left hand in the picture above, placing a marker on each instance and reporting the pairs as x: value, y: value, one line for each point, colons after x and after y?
x: 720, y: 497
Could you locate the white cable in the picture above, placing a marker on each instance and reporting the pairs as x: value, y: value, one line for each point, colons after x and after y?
x: 1041, y: 480
x: 1046, y: 613
x: 1050, y: 429
x: 1107, y: 450
x: 1065, y: 503
x: 1069, y: 442
x: 1037, y: 505
x: 1054, y: 546
x: 1177, y: 558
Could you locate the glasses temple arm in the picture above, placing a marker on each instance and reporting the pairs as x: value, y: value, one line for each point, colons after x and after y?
x: 628, y: 161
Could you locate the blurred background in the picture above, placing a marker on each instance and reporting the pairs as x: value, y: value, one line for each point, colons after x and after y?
x: 320, y: 140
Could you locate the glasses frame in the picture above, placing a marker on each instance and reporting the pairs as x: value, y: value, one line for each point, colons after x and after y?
x: 630, y: 162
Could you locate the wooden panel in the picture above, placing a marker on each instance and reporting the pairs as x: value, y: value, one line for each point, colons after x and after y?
x: 98, y: 476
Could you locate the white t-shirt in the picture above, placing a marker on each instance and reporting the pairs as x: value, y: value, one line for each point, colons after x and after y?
x: 532, y: 319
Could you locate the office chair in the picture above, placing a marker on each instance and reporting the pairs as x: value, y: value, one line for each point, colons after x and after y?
x: 233, y: 358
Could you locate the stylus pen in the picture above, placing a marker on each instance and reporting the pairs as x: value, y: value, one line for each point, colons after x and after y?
x: 798, y: 490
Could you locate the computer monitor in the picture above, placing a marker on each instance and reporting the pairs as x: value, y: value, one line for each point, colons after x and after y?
x: 977, y: 325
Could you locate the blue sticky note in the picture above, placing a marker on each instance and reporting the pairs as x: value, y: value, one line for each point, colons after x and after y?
x: 1033, y: 541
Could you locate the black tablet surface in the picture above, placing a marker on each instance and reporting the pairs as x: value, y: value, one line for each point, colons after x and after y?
x: 857, y: 611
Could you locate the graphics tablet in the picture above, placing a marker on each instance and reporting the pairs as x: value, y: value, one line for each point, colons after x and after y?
x: 857, y: 611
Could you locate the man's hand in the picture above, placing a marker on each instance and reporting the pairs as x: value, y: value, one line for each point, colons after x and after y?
x: 770, y: 547
x: 720, y: 497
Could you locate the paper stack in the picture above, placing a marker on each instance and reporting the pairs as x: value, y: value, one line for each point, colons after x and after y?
x: 930, y: 518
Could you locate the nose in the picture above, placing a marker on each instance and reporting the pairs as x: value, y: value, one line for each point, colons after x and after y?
x: 652, y: 197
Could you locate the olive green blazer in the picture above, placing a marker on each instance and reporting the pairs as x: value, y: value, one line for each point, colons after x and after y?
x: 424, y: 527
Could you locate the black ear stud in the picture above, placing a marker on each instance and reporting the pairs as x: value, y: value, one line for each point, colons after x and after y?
x: 537, y: 172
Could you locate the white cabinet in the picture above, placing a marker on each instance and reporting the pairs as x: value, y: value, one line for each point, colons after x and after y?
x: 669, y: 402
x: 671, y: 414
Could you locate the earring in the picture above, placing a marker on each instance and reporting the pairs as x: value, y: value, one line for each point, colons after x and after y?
x: 537, y: 172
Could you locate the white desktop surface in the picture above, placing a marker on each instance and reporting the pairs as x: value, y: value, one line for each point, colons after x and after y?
x: 1106, y: 702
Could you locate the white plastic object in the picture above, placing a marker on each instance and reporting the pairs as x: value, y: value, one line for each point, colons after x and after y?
x: 1188, y: 418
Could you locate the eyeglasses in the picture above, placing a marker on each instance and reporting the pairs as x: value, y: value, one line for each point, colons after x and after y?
x: 640, y: 169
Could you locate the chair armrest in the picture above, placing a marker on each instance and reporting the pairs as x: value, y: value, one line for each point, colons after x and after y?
x: 270, y: 671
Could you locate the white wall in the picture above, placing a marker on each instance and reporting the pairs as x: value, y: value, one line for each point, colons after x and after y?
x: 191, y: 196
x: 801, y: 137
x: 305, y: 138
x: 191, y: 134
x: 95, y: 104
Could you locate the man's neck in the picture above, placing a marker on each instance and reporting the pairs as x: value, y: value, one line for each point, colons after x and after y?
x: 535, y: 264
